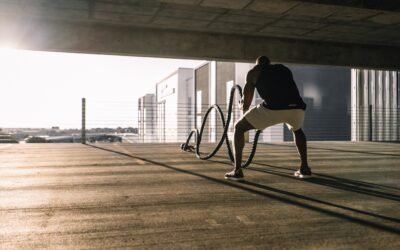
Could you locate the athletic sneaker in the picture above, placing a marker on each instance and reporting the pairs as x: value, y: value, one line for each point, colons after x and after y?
x: 235, y: 175
x: 303, y: 173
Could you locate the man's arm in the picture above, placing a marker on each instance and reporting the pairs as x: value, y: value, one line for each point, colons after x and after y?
x: 248, y: 91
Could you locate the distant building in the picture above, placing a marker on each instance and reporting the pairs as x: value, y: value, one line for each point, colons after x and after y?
x: 175, y: 106
x: 213, y: 83
x: 7, y: 137
x: 326, y: 90
x: 342, y: 103
x: 147, y: 118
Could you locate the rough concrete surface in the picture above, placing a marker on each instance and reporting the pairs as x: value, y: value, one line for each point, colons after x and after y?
x: 135, y: 196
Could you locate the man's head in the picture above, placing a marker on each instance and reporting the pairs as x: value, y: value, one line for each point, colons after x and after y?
x: 263, y: 61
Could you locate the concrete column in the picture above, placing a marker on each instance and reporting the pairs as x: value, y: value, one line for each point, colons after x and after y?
x: 379, y: 105
x: 372, y: 95
x: 393, y: 107
x: 398, y: 106
x: 386, y: 106
x: 354, y: 78
x: 365, y: 105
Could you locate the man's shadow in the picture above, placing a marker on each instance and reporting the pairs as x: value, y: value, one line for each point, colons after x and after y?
x: 325, y: 180
x: 334, y: 182
x: 284, y: 196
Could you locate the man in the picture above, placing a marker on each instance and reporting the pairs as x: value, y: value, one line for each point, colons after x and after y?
x: 282, y: 104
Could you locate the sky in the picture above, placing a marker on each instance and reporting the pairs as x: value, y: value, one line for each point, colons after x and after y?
x: 45, y: 89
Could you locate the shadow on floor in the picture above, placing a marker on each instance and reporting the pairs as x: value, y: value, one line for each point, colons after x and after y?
x: 326, y: 180
x: 344, y: 181
x: 276, y: 194
x: 336, y: 150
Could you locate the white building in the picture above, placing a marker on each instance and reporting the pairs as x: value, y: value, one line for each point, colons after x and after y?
x: 147, y: 118
x: 175, y: 106
x: 326, y: 90
x: 337, y: 101
x: 213, y: 82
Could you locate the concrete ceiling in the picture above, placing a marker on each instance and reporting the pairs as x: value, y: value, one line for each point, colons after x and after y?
x: 361, y: 29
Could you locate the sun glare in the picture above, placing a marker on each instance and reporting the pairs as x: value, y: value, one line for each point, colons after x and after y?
x: 7, y: 50
x: 7, y: 46
x: 7, y: 55
x: 44, y: 89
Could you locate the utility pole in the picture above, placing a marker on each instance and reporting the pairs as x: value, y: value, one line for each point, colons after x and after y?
x: 83, y: 129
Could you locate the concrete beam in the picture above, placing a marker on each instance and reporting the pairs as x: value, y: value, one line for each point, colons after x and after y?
x: 389, y: 5
x: 386, y: 5
x: 123, y: 40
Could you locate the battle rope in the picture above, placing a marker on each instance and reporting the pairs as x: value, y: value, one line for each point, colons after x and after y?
x: 198, y: 135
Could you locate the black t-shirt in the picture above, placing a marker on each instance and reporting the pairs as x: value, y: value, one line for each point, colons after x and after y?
x: 278, y: 89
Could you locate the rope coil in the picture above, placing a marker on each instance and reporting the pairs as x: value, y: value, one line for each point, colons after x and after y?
x: 225, y: 123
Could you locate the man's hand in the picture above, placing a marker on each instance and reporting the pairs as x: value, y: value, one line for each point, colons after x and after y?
x: 241, y: 106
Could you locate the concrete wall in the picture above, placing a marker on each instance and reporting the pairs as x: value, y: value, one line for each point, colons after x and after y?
x: 147, y: 118
x: 186, y: 111
x: 225, y: 74
x: 167, y: 101
x: 202, y: 81
x: 173, y: 96
x: 241, y: 70
x: 327, y: 92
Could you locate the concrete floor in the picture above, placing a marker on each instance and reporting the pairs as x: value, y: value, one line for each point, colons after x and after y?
x: 72, y: 196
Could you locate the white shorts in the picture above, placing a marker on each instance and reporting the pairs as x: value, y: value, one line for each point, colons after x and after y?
x: 261, y: 117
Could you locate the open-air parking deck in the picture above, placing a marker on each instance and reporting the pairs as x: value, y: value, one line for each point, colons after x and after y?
x: 155, y: 196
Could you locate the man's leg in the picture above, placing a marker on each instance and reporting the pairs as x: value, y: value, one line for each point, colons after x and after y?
x: 301, y: 144
x: 241, y: 127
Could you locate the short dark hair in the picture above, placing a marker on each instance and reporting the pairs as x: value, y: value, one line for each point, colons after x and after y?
x: 263, y: 61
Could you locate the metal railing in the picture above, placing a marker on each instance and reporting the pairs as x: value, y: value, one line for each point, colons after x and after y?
x: 171, y: 122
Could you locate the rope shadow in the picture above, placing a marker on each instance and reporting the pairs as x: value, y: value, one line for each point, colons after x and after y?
x: 333, y: 149
x: 325, y: 180
x: 320, y: 201
x: 335, y: 184
x: 244, y: 186
x: 343, y: 180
